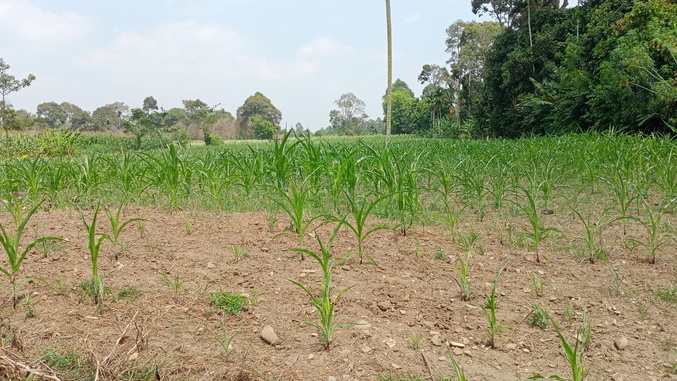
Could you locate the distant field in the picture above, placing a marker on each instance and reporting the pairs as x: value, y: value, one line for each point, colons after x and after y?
x: 584, y: 226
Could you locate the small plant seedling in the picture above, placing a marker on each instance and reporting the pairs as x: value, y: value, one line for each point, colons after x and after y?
x: 440, y: 254
x: 616, y: 280
x: 174, y: 282
x: 669, y: 294
x: 568, y: 314
x: 654, y: 238
x: 226, y: 342
x: 537, y: 285
x: 538, y: 317
x: 574, y: 357
x: 142, y: 229
x: 324, y: 302
x: 129, y: 293
x: 28, y: 303
x: 463, y: 271
x: 239, y: 253
x: 95, y: 240
x: 117, y: 225
x: 232, y: 303
x: 460, y: 375
x: 490, y: 310
x: 187, y: 227
x: 415, y: 340
x: 11, y: 243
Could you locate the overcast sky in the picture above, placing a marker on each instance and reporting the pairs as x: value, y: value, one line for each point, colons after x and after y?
x: 302, y: 54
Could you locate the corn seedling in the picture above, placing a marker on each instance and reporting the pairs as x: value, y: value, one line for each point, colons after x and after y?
x: 538, y: 317
x: 117, y: 225
x: 239, y: 253
x: 467, y: 241
x: 624, y: 195
x: 28, y: 303
x: 361, y: 210
x: 592, y: 239
x: 537, y: 285
x: 11, y: 243
x: 616, y: 280
x: 94, y: 242
x: 458, y: 371
x: 490, y: 310
x: 574, y: 357
x: 325, y: 301
x: 415, y: 340
x: 226, y: 343
x: 463, y: 271
x: 537, y: 231
x: 293, y: 202
x: 654, y: 238
x: 174, y: 282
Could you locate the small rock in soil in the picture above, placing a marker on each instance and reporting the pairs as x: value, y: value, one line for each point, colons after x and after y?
x: 268, y: 335
x: 384, y: 305
x: 210, y: 265
x: 621, y: 343
x: 436, y: 340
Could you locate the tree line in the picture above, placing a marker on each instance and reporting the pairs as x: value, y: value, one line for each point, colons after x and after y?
x: 545, y: 67
x: 257, y: 118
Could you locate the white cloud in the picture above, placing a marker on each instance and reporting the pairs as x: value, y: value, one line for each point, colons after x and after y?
x: 322, y: 46
x: 27, y: 22
x: 412, y: 18
x: 187, y: 51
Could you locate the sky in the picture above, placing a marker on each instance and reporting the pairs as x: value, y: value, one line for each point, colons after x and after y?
x: 302, y: 54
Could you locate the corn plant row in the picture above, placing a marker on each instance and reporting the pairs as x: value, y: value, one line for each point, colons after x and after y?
x: 424, y: 179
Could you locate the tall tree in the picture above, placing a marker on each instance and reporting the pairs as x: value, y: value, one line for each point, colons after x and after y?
x: 389, y: 91
x: 202, y: 115
x: 467, y: 45
x: 109, y: 117
x: 256, y: 105
x: 501, y: 10
x: 9, y: 84
x: 147, y: 120
x: 64, y: 115
x: 349, y: 116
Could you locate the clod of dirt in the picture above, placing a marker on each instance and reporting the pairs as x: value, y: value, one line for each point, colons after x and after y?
x: 268, y: 335
x: 621, y: 343
x: 384, y: 305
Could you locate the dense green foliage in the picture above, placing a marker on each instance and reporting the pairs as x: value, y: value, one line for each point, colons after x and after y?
x: 604, y: 64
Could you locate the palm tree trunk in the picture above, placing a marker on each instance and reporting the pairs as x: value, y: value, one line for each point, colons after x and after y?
x: 389, y: 92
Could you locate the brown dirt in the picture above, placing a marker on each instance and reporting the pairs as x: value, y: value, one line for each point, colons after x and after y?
x: 409, y: 293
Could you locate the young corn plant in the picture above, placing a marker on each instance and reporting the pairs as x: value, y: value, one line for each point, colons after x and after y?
x: 94, y: 242
x: 361, y: 208
x: 654, y: 238
x: 294, y: 202
x: 574, y: 357
x: 11, y: 243
x: 538, y: 232
x: 325, y: 301
x: 623, y: 192
x: 117, y: 225
x: 593, y: 238
x: 490, y: 310
x: 463, y: 271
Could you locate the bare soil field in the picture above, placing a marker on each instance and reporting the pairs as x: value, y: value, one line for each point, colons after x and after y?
x: 157, y: 321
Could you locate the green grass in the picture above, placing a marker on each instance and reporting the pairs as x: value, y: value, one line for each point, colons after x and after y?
x: 230, y: 302
x: 667, y: 293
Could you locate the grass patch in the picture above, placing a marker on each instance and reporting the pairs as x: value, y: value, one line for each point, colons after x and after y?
x: 230, y: 302
x: 67, y: 363
x: 669, y: 294
x: 129, y: 293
